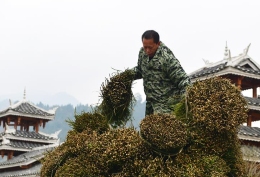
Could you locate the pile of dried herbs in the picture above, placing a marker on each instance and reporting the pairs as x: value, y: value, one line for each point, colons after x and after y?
x: 117, y: 98
x: 205, y: 124
x: 164, y: 132
x: 215, y: 108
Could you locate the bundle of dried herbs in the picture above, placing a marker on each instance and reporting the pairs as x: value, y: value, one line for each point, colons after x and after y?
x: 91, y: 121
x: 195, y: 164
x: 164, y: 132
x: 216, y: 105
x: 117, y: 98
x: 75, y: 146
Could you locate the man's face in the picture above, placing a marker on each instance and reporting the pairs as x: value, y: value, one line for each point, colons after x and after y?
x: 150, y: 47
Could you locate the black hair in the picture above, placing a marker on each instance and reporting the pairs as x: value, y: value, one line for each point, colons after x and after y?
x: 151, y: 34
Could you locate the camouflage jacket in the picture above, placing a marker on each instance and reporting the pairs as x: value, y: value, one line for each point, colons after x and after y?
x: 163, y: 77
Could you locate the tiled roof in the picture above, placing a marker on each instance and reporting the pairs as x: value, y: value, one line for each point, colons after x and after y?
x: 33, y: 171
x: 235, y: 63
x: 27, y: 108
x: 248, y: 70
x: 25, y: 134
x: 210, y: 70
x: 249, y: 131
x: 250, y: 153
x: 252, y: 101
x: 23, y: 145
x: 24, y: 158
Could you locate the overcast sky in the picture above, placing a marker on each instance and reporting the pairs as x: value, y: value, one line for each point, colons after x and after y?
x: 52, y: 46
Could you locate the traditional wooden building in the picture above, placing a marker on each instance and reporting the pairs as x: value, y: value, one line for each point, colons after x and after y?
x: 244, y: 72
x: 21, y: 141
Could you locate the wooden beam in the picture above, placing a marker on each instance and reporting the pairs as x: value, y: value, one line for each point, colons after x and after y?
x: 249, y: 121
x: 26, y: 166
x: 2, y: 153
x: 254, y: 91
x: 239, y: 82
x: 44, y: 124
x: 37, y: 127
x: 15, y: 124
x: 19, y: 120
x: 8, y: 155
x: 11, y: 154
x: 8, y: 120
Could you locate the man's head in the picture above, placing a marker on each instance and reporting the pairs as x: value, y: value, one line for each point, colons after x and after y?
x: 151, y: 42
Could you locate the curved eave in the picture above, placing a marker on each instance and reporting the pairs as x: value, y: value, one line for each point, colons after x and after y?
x: 249, y: 138
x: 24, y: 163
x: 251, y: 159
x: 7, y: 147
x: 20, y: 138
x: 226, y: 71
x: 14, y: 113
x: 256, y: 108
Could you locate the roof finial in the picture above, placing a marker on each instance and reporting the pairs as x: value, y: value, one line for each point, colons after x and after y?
x: 10, y: 102
x: 226, y: 52
x: 246, y: 50
x: 24, y: 95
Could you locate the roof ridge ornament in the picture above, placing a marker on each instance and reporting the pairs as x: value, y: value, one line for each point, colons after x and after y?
x: 24, y: 95
x: 227, y: 53
x: 207, y: 62
x: 246, y: 50
x: 10, y: 102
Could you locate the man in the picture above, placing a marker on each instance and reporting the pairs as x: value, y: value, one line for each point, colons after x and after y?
x: 163, y: 76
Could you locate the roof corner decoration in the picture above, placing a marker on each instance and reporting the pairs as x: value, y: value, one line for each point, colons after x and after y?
x: 5, y: 141
x: 53, y: 111
x: 246, y: 50
x: 207, y: 62
x: 10, y: 103
x: 8, y: 129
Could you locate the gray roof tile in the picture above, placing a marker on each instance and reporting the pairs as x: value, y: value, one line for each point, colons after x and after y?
x: 252, y: 101
x: 214, y: 69
x: 35, y: 170
x: 23, y: 158
x: 34, y: 135
x: 249, y: 131
x: 207, y: 71
x: 23, y: 144
x: 30, y: 109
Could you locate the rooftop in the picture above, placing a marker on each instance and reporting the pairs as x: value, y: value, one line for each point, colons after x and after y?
x: 242, y: 65
x: 27, y: 109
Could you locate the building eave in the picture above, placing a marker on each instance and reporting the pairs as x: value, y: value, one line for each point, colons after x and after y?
x: 34, y: 159
x: 14, y: 113
x: 225, y: 71
x: 249, y: 138
x: 12, y: 137
x: 7, y: 147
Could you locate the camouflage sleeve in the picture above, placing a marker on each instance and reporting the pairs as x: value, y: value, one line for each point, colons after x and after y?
x: 177, y: 74
x: 137, y: 69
